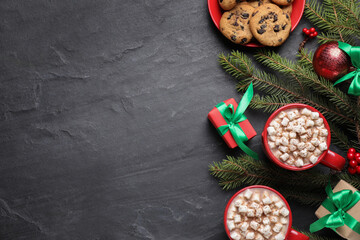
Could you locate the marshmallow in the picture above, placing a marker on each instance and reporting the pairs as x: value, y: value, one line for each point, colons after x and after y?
x: 232, y: 208
x: 231, y: 225
x: 292, y: 148
x: 267, y: 200
x: 248, y: 193
x: 285, y: 134
x: 303, y: 153
x: 267, y: 232
x: 271, y: 131
x: 316, y: 133
x: 314, y: 115
x: 271, y: 145
x: 274, y: 198
x: 301, y: 146
x: 258, y: 212
x: 283, y: 220
x: 277, y: 228
x: 273, y: 219
x: 303, y: 138
x: 266, y: 221
x: 275, y: 124
x: 319, y: 122
x: 290, y: 162
x: 309, y: 123
x: 309, y: 147
x: 238, y: 202
x: 291, y: 115
x: 267, y: 209
x: 305, y: 111
x: 237, y: 218
x: 272, y: 138
x: 292, y: 135
x: 279, y: 133
x: 277, y: 142
x: 284, y: 141
x: 284, y: 157
x: 317, y: 152
x: 254, y: 205
x: 244, y: 226
x: 299, y: 162
x: 279, y: 204
x: 250, y: 213
x: 231, y: 215
x: 285, y: 121
x: 315, y: 142
x: 282, y: 114
x: 279, y: 236
x: 250, y: 235
x: 294, y: 142
x: 283, y: 149
x: 302, y: 121
x: 275, y: 212
x: 324, y: 132
x: 313, y: 159
x: 242, y: 209
x: 309, y: 132
x: 284, y: 211
x: 235, y: 235
x: 256, y: 197
x: 323, y: 146
x: 297, y: 128
x: 295, y: 154
x: 254, y: 225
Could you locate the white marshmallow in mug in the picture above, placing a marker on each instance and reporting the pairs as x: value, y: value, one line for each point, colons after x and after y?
x: 279, y: 236
x: 285, y: 134
x: 324, y: 132
x: 266, y: 221
x: 279, y: 204
x: 282, y: 114
x: 250, y: 235
x: 284, y: 157
x: 303, y: 153
x: 277, y: 228
x: 243, y: 209
x: 256, y: 197
x: 271, y: 145
x: 309, y: 123
x: 231, y: 225
x: 292, y: 148
x: 284, y: 211
x: 323, y: 146
x: 272, y: 138
x: 273, y: 219
x: 301, y: 146
x: 291, y: 115
x: 313, y: 159
x: 248, y: 193
x: 284, y: 141
x: 315, y: 142
x: 283, y: 220
x: 259, y: 237
x: 294, y: 142
x: 314, y: 115
x: 266, y: 209
x: 309, y: 146
x: 237, y: 218
x: 285, y: 121
x: 284, y: 149
x: 267, y: 200
x: 305, y: 111
x: 254, y: 225
x: 319, y: 122
x: 292, y: 135
x: 258, y: 212
x: 271, y: 131
x: 317, y: 152
x: 250, y: 213
x: 299, y: 162
x: 244, y: 226
x: 235, y: 235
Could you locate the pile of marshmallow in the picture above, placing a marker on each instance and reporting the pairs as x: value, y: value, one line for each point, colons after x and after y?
x: 257, y: 214
x: 297, y: 137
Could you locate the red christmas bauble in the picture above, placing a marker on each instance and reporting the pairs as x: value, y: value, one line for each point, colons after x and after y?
x: 331, y: 62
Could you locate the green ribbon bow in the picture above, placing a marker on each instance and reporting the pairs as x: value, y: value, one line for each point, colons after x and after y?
x: 354, y: 53
x: 233, y: 119
x: 338, y: 204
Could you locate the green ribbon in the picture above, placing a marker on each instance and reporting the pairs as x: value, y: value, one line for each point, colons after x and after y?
x: 233, y: 119
x: 354, y: 53
x: 338, y: 204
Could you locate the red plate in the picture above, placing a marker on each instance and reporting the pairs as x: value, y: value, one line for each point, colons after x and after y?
x: 297, y: 12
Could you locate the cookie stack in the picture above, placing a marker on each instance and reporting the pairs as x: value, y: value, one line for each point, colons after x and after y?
x: 267, y: 21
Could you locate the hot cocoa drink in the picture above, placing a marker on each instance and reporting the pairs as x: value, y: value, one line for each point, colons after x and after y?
x: 259, y: 214
x: 297, y: 136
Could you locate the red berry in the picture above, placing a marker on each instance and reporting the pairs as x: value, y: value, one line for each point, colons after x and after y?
x: 311, y: 35
x: 315, y: 34
x: 307, y: 32
x: 357, y: 155
x: 353, y: 163
x: 351, y: 150
x: 358, y: 169
x: 351, y: 156
x: 352, y: 170
x: 357, y: 159
x: 304, y: 30
x: 312, y: 30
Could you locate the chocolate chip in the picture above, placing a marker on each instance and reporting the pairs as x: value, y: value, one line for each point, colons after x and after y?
x: 233, y: 37
x: 261, y: 20
x: 261, y: 31
x: 221, y: 1
x: 231, y: 14
x: 242, y: 27
x: 255, y: 13
x: 248, y: 22
x: 276, y: 28
x: 263, y: 26
x: 235, y: 24
x: 284, y: 26
x: 287, y: 16
x: 243, y: 40
x: 275, y: 18
x: 288, y: 1
x: 245, y: 15
x: 280, y: 39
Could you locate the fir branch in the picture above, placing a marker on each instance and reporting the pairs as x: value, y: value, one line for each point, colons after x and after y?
x: 354, y: 180
x: 313, y: 198
x: 339, y: 138
x: 269, y: 103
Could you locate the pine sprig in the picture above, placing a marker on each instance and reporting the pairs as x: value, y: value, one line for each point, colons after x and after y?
x: 269, y: 103
x: 314, y: 236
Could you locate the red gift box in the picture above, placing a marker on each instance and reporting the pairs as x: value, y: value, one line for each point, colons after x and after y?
x: 217, y: 120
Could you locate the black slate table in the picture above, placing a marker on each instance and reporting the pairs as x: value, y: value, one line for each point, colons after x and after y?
x: 104, y: 130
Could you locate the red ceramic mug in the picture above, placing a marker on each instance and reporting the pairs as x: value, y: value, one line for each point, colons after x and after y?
x: 327, y: 158
x: 291, y: 234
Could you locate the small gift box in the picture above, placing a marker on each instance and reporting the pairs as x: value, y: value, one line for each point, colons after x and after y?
x: 340, y: 211
x: 229, y: 119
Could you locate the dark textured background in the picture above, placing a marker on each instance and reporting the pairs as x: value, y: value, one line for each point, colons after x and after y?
x: 103, y: 125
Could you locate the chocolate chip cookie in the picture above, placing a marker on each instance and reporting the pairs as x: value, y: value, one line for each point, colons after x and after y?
x: 234, y: 24
x: 270, y: 25
x: 282, y: 2
x: 227, y: 4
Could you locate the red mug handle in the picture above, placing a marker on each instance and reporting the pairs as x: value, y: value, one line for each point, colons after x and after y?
x: 333, y: 161
x: 295, y: 235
